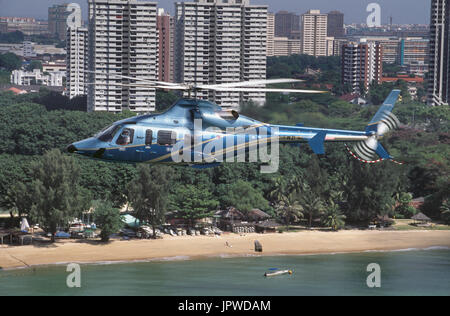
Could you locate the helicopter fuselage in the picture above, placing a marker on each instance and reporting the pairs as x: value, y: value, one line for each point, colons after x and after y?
x: 202, y: 129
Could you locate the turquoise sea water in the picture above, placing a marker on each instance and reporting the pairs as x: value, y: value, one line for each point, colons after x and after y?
x: 408, y: 272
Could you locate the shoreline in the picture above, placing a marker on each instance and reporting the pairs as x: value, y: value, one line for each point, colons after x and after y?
x: 204, y: 247
x: 219, y: 256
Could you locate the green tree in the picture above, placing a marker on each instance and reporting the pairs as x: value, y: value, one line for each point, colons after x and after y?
x: 242, y: 195
x: 332, y: 216
x: 164, y: 100
x: 278, y: 191
x: 289, y: 209
x: 148, y: 193
x: 192, y: 203
x: 10, y: 61
x: 34, y: 64
x: 20, y: 198
x: 445, y: 211
x: 57, y: 196
x: 12, y: 37
x: 404, y: 207
x: 370, y: 190
x: 311, y: 203
x: 108, y: 218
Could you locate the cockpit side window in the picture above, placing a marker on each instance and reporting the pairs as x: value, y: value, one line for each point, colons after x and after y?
x: 126, y: 137
x: 107, y: 134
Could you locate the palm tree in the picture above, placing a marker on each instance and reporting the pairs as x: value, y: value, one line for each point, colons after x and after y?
x: 279, y: 191
x: 311, y: 204
x: 333, y: 217
x: 445, y: 211
x: 289, y: 209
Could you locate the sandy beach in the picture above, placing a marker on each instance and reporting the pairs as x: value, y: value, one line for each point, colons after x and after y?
x: 307, y: 242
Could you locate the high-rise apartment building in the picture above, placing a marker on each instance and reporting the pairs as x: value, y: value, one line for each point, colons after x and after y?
x: 362, y: 64
x: 76, y: 61
x: 123, y: 40
x: 221, y: 41
x: 314, y: 33
x: 335, y: 27
x: 270, y: 33
x: 286, y: 23
x: 284, y: 46
x: 413, y: 50
x: 439, y: 68
x: 77, y: 54
x: 57, y: 20
x: 165, y: 46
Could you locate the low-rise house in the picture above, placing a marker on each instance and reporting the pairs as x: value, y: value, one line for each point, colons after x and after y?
x: 353, y: 98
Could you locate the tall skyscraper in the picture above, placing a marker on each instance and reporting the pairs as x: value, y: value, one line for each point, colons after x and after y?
x: 77, y: 53
x: 335, y: 27
x: 270, y: 33
x: 314, y: 33
x: 57, y: 17
x: 123, y: 40
x: 165, y: 47
x: 76, y: 61
x: 439, y: 68
x: 362, y: 64
x: 221, y: 41
x: 286, y: 23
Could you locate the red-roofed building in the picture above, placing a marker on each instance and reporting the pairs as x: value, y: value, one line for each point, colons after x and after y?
x: 17, y: 91
x: 406, y: 78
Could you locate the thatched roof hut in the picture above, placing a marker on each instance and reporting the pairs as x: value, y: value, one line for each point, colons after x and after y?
x: 230, y: 213
x: 256, y: 215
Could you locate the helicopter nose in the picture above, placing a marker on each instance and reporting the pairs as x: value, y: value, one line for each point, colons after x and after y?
x: 71, y: 149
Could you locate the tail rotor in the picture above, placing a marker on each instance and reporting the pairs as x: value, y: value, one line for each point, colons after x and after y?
x: 383, y: 122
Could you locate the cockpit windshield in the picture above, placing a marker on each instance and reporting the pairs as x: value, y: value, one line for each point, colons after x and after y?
x: 107, y: 134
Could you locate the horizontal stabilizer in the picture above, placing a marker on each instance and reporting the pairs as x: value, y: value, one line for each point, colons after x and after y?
x: 316, y: 143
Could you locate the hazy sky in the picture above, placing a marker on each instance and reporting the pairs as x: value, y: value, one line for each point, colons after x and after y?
x: 402, y: 11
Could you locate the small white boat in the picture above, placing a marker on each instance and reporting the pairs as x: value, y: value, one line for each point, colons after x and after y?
x: 277, y: 273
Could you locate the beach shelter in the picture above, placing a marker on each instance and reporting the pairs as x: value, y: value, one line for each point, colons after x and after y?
x: 131, y: 221
x: 257, y: 215
x: 421, y: 217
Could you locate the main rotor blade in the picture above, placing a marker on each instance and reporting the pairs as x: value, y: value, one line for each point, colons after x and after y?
x: 251, y: 83
x: 182, y: 88
x: 266, y: 90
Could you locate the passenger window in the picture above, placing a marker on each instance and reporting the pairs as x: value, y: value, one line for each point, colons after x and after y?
x: 166, y: 138
x: 126, y: 137
x: 148, y: 137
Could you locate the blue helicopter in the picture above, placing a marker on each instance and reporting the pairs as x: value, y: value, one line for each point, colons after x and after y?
x: 202, y: 134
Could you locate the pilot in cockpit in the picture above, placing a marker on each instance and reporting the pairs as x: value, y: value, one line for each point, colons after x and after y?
x: 124, y: 138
